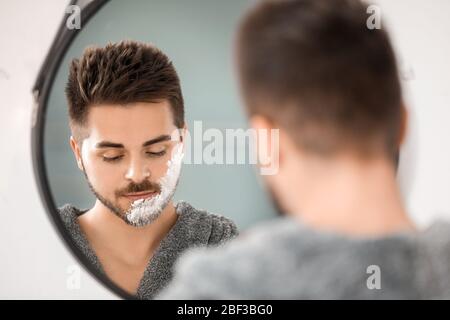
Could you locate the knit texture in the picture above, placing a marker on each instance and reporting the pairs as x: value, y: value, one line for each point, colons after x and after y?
x: 284, y: 259
x: 194, y: 228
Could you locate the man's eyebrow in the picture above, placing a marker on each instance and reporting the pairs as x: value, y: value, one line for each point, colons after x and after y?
x: 107, y: 144
x: 164, y: 137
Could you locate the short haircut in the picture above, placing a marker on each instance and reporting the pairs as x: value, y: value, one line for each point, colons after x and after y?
x: 121, y: 73
x: 316, y: 69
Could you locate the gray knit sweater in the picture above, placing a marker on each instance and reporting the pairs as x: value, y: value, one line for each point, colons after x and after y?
x: 194, y: 228
x: 287, y: 260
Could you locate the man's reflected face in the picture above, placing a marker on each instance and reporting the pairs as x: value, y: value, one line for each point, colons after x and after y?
x: 126, y: 152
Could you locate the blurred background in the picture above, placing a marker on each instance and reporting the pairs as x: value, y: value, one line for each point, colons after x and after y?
x: 196, y: 35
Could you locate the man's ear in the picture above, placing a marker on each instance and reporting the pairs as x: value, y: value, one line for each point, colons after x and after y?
x: 76, y: 151
x: 267, y: 141
x: 403, y: 126
x: 184, y: 132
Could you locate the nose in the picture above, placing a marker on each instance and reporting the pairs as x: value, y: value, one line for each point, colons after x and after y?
x: 137, y: 171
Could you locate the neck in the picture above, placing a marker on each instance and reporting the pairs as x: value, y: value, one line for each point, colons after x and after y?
x: 135, y: 242
x: 351, y: 196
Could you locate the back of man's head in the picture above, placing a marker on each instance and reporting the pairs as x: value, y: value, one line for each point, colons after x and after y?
x: 315, y: 69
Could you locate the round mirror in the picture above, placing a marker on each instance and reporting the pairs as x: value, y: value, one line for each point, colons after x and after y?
x: 197, y: 38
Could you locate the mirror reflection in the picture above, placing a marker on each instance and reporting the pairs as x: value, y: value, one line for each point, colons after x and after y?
x: 142, y: 145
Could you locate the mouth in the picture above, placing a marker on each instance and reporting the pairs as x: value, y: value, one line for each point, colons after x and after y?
x: 140, y: 195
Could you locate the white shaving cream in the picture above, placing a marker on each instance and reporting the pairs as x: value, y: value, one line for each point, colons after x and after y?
x: 145, y: 211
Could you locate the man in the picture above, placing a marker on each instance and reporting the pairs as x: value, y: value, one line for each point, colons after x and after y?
x: 127, y: 122
x: 313, y: 70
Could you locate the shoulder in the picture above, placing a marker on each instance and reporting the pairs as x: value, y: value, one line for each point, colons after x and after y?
x: 211, y: 227
x: 69, y: 214
x: 264, y: 262
x: 222, y: 273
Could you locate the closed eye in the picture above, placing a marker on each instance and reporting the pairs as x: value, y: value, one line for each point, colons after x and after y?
x: 112, y: 159
x: 156, y: 154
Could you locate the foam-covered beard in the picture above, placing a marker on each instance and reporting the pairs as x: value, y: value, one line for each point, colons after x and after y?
x: 144, y: 211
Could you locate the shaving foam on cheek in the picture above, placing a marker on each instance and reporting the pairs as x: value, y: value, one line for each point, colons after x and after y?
x: 145, y: 211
